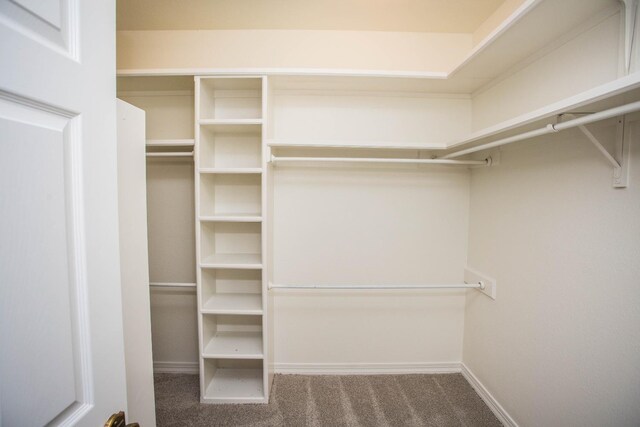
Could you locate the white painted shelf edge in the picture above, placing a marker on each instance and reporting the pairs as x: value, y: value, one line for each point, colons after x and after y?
x: 347, y: 145
x: 234, y: 345
x: 170, y: 142
x: 246, y: 261
x: 231, y: 218
x: 230, y: 170
x: 230, y: 122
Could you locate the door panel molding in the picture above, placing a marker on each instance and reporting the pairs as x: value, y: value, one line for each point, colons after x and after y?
x: 46, y: 125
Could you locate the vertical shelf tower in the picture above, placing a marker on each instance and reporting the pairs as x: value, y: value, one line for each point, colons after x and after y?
x: 230, y: 242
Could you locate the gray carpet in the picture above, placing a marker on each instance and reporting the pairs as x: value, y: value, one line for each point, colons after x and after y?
x: 300, y: 400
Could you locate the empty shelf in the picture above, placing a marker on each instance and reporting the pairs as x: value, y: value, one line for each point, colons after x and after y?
x: 234, y: 345
x: 235, y: 385
x: 233, y: 261
x: 233, y: 304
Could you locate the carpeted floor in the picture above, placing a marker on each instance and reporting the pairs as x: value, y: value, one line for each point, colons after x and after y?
x: 363, y: 400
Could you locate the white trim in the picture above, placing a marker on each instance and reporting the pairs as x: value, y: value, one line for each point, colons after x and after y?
x: 252, y: 72
x: 380, y: 93
x: 497, y: 409
x: 176, y: 368
x: 366, y: 368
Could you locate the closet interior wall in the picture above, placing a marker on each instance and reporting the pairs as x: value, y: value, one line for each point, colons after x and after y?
x: 169, y: 106
x: 563, y: 245
x: 543, y: 220
x: 366, y: 225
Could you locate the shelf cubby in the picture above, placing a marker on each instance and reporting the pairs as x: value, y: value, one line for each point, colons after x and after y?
x: 231, y: 292
x: 230, y: 98
x: 231, y: 244
x: 231, y: 336
x: 228, y: 194
x: 231, y: 147
x: 233, y: 381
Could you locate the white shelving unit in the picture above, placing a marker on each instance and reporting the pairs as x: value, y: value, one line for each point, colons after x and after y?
x: 229, y: 238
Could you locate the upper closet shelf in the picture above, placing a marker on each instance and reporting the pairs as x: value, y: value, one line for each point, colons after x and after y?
x: 382, y: 145
x: 609, y: 95
x: 515, y: 39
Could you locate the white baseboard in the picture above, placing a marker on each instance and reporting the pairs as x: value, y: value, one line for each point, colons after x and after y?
x: 502, y: 415
x: 366, y: 368
x: 176, y: 368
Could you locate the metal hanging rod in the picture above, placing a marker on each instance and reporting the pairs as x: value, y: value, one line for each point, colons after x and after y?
x: 171, y: 154
x: 171, y: 285
x: 478, y: 285
x: 275, y: 159
x: 551, y: 128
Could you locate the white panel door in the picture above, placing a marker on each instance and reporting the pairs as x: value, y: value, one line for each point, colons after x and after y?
x: 61, y: 339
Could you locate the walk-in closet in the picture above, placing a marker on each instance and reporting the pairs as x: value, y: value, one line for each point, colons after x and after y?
x: 320, y: 213
x: 331, y: 213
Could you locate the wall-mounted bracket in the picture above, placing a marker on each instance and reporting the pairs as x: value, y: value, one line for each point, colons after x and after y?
x: 623, y: 153
x: 494, y: 157
x: 619, y: 160
x: 489, y: 284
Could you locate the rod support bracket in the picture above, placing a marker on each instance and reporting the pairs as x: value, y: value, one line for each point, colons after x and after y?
x: 487, y: 284
x: 619, y: 160
x: 622, y: 153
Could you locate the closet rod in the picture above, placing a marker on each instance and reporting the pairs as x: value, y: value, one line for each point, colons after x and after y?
x: 551, y: 128
x: 170, y: 154
x: 479, y: 285
x: 171, y: 285
x: 275, y: 159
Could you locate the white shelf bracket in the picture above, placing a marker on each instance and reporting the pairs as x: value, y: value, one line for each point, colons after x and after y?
x: 620, y: 159
x: 630, y: 14
x: 623, y: 153
x: 487, y: 284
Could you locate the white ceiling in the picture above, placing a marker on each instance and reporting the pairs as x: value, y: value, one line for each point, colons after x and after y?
x: 444, y: 16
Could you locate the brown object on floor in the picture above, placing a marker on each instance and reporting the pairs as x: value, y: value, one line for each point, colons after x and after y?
x: 355, y: 400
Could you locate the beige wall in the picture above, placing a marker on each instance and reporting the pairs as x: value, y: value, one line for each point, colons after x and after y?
x: 362, y: 50
x: 369, y: 225
x: 559, y: 345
